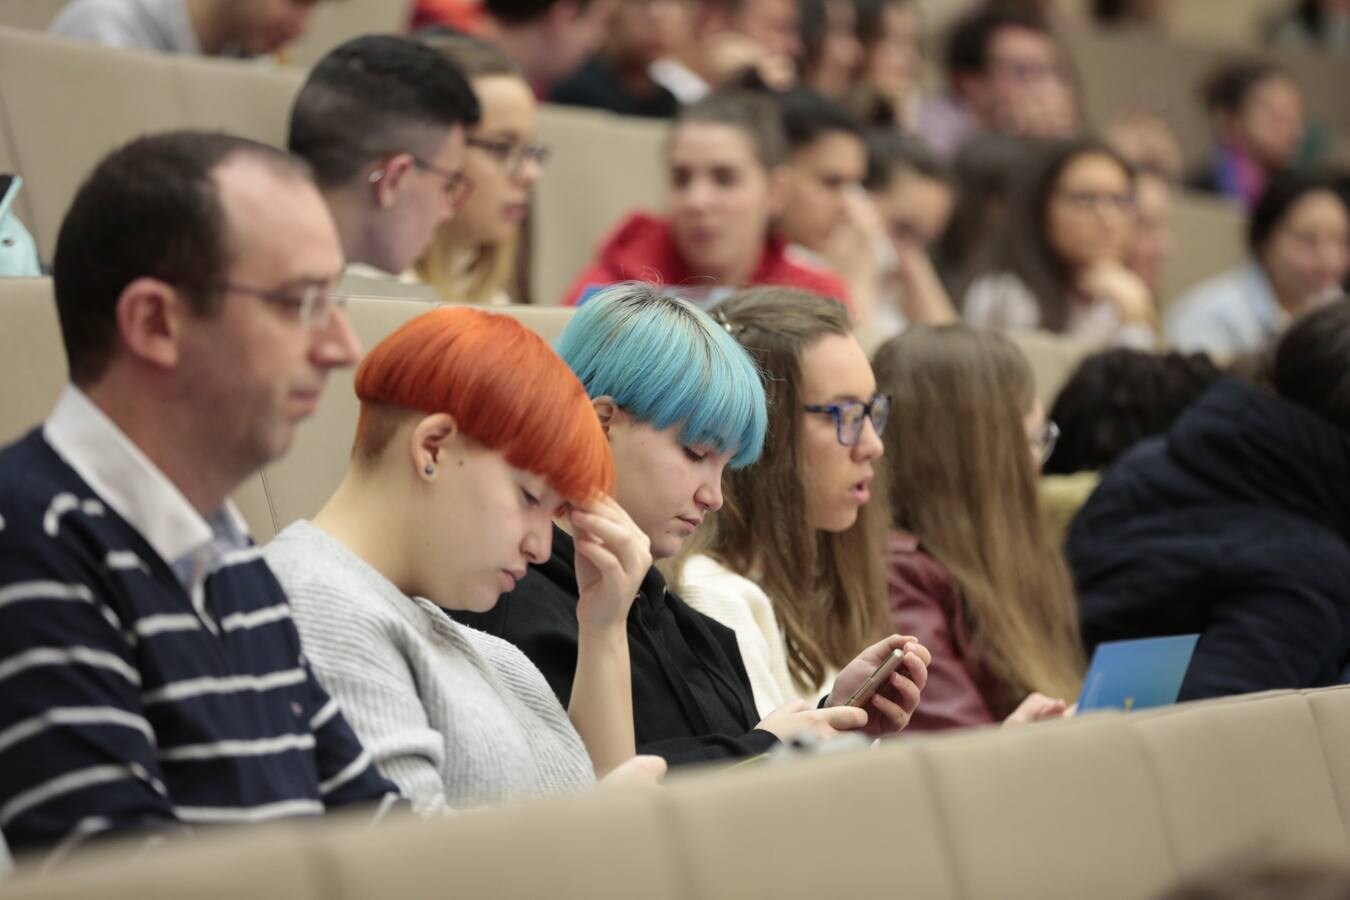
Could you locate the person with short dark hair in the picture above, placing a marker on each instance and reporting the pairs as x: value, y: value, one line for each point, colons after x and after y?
x: 1005, y: 74
x: 618, y: 78
x: 1256, y: 112
x: 151, y: 676
x: 1236, y: 525
x: 1298, y: 238
x: 1118, y: 397
x: 382, y: 121
x: 200, y: 27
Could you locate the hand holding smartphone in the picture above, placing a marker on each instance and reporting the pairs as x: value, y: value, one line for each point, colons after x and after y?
x: 880, y: 675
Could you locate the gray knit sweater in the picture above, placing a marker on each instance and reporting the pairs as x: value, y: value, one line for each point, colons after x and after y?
x: 454, y: 716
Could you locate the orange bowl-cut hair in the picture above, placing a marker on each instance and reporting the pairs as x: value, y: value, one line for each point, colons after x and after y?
x: 505, y: 388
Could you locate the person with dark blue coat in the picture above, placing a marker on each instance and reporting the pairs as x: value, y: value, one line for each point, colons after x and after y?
x: 1236, y: 525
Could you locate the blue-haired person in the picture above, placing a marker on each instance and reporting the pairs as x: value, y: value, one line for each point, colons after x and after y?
x: 680, y: 401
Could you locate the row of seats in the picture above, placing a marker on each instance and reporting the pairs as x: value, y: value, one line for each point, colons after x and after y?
x: 64, y: 104
x: 1108, y: 805
x: 297, y: 485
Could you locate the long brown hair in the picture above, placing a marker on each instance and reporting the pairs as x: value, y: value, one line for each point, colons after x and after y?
x: 828, y: 590
x: 962, y: 479
x: 469, y: 274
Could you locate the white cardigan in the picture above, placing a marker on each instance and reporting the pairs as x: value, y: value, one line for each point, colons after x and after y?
x: 741, y: 605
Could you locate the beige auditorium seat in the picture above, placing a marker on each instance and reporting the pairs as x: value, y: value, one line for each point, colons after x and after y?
x: 1053, y: 358
x: 31, y: 357
x: 1209, y: 236
x: 603, y: 166
x: 1106, y: 805
x: 35, y: 15
x: 67, y: 103
x: 335, y: 22
x: 250, y: 100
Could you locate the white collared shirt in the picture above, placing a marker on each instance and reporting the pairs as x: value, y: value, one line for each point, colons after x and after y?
x: 126, y: 480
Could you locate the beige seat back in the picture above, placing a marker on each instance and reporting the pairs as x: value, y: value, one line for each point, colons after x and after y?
x: 1107, y: 805
x: 32, y: 358
x: 334, y: 23
x: 68, y: 103
x: 65, y: 104
x: 1209, y: 236
x: 34, y: 15
x: 602, y: 168
x: 1053, y: 358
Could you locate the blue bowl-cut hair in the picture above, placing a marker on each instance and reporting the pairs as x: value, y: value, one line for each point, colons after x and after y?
x: 667, y: 363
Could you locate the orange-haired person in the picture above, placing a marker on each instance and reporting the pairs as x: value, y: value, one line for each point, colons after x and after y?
x: 473, y: 435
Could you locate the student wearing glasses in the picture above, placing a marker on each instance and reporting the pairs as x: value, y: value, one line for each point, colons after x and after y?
x: 793, y: 563
x: 680, y: 402
x: 473, y: 256
x: 382, y: 121
x: 972, y: 569
x: 1058, y: 261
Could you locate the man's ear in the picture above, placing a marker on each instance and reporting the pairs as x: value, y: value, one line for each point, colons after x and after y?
x: 386, y: 180
x: 431, y: 443
x: 606, y: 410
x: 150, y: 318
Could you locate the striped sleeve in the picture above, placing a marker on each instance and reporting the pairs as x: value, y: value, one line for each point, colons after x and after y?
x: 347, y: 775
x: 77, y: 754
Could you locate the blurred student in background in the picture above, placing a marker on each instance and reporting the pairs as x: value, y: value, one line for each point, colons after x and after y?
x: 1256, y: 113
x: 472, y: 257
x: 726, y: 162
x: 1058, y: 260
x: 1298, y: 238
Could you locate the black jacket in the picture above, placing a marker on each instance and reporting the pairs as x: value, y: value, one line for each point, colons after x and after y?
x: 1235, y: 525
x: 692, y: 700
x: 598, y: 86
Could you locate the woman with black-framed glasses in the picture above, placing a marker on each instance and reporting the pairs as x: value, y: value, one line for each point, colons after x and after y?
x: 793, y: 562
x: 472, y: 259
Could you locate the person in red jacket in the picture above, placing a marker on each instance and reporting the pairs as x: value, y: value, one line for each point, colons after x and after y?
x: 727, y: 182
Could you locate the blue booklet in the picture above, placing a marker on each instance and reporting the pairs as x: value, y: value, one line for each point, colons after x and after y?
x: 1137, y: 674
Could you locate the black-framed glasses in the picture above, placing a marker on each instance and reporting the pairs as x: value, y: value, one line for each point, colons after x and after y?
x: 312, y: 303
x: 850, y: 416
x: 1044, y: 440
x: 457, y: 184
x: 512, y: 155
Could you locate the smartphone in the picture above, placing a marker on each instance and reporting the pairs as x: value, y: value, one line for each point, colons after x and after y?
x: 879, y: 676
x: 9, y: 187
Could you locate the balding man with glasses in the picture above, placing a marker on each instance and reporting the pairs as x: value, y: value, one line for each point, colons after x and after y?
x: 151, y: 677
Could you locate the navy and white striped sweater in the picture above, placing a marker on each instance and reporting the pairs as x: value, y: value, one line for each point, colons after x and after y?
x: 122, y: 707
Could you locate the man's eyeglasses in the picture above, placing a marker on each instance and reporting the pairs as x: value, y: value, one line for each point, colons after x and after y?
x: 311, y: 304
x: 850, y: 416
x: 1044, y: 440
x: 457, y: 184
x: 512, y: 155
